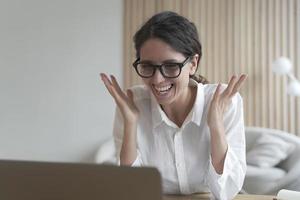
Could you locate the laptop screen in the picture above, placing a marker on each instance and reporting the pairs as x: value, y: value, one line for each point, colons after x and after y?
x: 29, y: 180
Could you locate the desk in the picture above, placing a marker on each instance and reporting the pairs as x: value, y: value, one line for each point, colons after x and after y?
x: 205, y: 196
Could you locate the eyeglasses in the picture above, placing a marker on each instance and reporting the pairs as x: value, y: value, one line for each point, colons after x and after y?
x: 168, y: 70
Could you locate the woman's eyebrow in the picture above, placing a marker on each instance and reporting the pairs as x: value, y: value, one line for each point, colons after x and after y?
x: 170, y: 61
x: 146, y: 61
x: 165, y: 61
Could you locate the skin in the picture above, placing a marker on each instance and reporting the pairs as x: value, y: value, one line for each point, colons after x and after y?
x: 180, y: 96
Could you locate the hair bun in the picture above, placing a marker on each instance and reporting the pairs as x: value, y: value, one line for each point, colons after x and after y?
x: 200, y: 79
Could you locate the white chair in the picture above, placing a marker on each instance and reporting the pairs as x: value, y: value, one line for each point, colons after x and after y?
x: 285, y: 175
x: 106, y: 152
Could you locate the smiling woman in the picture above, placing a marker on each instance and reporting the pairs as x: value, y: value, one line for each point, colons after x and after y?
x: 193, y: 133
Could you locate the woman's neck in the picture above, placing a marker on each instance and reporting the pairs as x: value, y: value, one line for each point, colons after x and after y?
x: 179, y: 110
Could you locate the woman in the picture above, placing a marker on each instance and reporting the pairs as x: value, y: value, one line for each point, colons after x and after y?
x: 193, y: 133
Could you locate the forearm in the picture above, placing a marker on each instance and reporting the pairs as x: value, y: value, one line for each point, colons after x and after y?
x: 128, y: 152
x: 219, y: 148
x: 230, y: 182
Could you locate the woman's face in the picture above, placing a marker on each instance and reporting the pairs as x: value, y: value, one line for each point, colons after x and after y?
x: 167, y: 91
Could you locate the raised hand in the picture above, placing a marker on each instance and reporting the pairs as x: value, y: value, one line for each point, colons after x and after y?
x: 221, y: 101
x: 124, y: 101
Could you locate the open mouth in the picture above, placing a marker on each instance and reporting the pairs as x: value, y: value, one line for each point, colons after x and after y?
x: 163, y: 89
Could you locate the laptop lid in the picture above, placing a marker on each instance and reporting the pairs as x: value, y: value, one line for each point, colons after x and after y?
x: 26, y: 180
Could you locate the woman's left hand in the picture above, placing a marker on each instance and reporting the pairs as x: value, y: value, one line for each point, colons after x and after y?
x: 221, y: 101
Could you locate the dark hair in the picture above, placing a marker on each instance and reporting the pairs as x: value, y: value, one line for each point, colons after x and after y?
x: 175, y: 30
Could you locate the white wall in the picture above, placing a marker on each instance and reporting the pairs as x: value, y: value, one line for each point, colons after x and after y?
x: 53, y: 106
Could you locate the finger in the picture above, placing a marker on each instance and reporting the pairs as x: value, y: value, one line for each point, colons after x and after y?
x: 130, y: 95
x: 110, y: 87
x: 105, y: 78
x: 230, y: 86
x: 239, y: 84
x: 217, y: 93
x: 117, y: 86
x: 106, y: 82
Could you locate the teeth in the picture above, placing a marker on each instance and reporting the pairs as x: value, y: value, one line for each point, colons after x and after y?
x: 163, y: 89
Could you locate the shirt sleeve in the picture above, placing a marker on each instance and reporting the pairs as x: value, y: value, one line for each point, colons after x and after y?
x: 226, y: 185
x: 118, y: 131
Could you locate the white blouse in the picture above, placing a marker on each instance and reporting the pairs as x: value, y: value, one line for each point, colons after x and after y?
x: 182, y: 154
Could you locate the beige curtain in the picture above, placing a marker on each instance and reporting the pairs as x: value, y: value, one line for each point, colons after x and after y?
x: 238, y: 36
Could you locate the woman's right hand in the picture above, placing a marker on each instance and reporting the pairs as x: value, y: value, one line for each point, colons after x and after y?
x: 124, y: 101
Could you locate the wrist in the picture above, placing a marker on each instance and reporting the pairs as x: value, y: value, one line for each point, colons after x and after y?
x: 130, y: 126
x: 217, y: 127
x: 131, y: 122
x: 217, y: 134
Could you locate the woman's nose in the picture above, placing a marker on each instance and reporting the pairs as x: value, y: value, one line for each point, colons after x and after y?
x: 158, y: 77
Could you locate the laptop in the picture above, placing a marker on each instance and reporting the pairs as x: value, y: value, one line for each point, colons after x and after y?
x: 28, y: 180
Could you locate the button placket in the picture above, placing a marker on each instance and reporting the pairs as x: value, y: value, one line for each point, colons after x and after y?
x: 180, y: 163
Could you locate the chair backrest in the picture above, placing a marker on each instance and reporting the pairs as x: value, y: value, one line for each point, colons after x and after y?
x: 252, y: 133
x: 106, y: 152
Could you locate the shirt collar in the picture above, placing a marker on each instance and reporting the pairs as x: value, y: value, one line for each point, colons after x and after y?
x: 195, y: 115
x: 197, y: 110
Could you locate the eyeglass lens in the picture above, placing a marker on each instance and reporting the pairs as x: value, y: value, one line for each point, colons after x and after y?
x: 167, y: 70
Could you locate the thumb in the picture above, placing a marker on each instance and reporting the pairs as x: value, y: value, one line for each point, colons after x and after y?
x: 130, y: 95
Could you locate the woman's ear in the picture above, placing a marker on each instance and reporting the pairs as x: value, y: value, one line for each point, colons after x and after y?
x: 194, y: 64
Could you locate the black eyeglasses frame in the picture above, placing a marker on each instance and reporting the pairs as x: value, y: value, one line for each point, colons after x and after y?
x: 180, y: 65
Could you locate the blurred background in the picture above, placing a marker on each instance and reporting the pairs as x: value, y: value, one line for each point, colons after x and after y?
x: 52, y: 104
